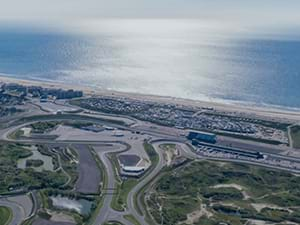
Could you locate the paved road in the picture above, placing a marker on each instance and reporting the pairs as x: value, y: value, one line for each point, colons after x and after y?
x: 106, y: 213
x: 130, y: 200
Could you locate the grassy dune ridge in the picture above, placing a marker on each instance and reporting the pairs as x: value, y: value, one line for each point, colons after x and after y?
x: 214, y: 192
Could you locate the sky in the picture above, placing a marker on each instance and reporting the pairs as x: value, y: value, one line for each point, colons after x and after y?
x: 271, y: 11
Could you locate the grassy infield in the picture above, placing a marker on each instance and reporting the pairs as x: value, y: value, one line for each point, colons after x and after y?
x: 123, y: 187
x: 5, y: 215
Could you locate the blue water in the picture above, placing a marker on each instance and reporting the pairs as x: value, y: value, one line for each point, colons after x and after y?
x: 172, y: 58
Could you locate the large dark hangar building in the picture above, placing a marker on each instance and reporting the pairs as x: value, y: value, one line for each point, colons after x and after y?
x: 202, y: 136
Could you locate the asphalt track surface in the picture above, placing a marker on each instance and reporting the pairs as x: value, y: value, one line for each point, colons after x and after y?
x: 89, y: 174
x: 106, y: 213
x: 18, y: 212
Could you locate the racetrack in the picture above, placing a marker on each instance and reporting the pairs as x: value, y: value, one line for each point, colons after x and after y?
x: 89, y: 175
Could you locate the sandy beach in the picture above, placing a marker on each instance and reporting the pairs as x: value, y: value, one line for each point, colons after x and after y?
x: 253, y: 111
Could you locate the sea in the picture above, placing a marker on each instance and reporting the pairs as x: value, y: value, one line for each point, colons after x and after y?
x: 193, y: 59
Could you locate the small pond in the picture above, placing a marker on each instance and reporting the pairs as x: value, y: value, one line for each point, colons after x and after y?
x: 81, y: 206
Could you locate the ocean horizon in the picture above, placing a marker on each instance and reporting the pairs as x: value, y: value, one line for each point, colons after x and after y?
x: 176, y: 58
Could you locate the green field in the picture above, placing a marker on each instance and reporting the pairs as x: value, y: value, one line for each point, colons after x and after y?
x: 44, y: 126
x: 132, y: 219
x: 295, y: 136
x: 210, y: 193
x: 153, y: 156
x: 139, y: 197
x: 119, y: 201
x: 5, y: 215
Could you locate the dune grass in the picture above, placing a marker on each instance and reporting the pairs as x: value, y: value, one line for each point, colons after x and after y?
x: 227, y: 191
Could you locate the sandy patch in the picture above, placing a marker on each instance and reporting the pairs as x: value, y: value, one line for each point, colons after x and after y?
x: 259, y: 206
x: 236, y: 186
x: 143, y: 163
x: 170, y: 153
x: 261, y: 222
x: 194, y: 216
x: 222, y: 164
x: 61, y: 217
x: 26, y: 131
x: 169, y: 156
